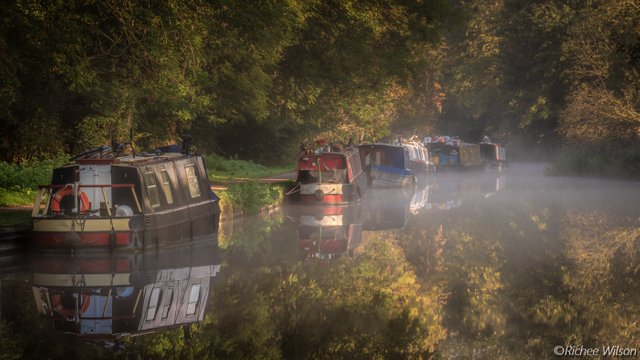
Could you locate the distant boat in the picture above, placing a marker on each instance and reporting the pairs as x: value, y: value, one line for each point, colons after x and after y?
x: 418, y: 157
x: 106, y: 201
x: 452, y: 153
x: 493, y: 155
x: 333, y: 177
x: 387, y: 165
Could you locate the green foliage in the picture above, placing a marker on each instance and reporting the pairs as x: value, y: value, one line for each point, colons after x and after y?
x: 250, y: 197
x: 220, y: 168
x: 604, y: 160
x: 28, y: 175
x: 251, y: 79
x: 16, y: 197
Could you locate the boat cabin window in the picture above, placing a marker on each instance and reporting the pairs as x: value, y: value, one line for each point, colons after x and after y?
x: 152, y: 189
x: 166, y: 306
x: 153, y: 304
x: 166, y: 186
x: 193, y: 299
x: 192, y: 179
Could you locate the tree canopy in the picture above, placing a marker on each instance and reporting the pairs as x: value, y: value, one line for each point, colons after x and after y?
x: 253, y: 79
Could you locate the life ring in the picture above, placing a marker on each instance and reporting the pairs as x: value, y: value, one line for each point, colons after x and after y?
x: 66, y: 191
x: 69, y: 313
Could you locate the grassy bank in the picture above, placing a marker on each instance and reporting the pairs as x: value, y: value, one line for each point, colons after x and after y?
x: 19, y: 182
x: 224, y: 170
x: 250, y: 197
x: 622, y: 162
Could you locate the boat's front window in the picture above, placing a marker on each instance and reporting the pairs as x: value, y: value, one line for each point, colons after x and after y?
x: 192, y: 179
x: 166, y: 186
x: 152, y: 188
x: 334, y: 176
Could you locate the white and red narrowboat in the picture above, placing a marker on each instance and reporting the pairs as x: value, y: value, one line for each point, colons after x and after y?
x: 331, y: 177
x: 102, y: 201
x: 103, y: 297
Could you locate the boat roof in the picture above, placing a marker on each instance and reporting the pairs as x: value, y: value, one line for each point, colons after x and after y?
x: 130, y: 160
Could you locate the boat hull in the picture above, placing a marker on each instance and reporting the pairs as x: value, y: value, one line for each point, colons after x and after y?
x: 329, y: 194
x: 390, y: 178
x: 136, y: 232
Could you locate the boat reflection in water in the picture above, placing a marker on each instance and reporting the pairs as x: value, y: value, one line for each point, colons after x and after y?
x: 101, y: 297
x: 448, y: 191
x: 327, y: 232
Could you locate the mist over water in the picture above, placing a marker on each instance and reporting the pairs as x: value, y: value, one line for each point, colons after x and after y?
x: 476, y: 264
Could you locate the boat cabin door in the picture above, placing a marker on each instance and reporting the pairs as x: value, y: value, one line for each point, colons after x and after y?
x: 92, y: 174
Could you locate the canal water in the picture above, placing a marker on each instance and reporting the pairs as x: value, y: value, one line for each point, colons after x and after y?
x: 480, y: 265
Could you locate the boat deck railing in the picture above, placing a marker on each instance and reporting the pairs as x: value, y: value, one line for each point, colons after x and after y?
x: 46, y: 193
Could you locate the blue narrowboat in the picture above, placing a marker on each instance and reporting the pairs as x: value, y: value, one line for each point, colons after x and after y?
x: 387, y: 165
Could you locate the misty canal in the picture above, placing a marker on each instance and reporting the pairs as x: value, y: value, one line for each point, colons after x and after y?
x: 465, y: 265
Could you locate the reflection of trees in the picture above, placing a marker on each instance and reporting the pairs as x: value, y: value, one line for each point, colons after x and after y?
x: 603, y: 278
x: 24, y: 334
x: 524, y: 275
x: 369, y: 305
x: 269, y: 303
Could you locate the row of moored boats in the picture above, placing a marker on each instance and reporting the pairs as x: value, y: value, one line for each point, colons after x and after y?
x: 334, y: 175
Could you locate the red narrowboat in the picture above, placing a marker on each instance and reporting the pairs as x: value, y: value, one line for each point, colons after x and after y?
x: 330, y: 177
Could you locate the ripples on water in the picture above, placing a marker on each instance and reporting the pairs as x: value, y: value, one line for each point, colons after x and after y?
x: 468, y: 265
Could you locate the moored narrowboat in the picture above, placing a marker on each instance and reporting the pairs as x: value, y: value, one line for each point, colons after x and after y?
x: 419, y: 161
x: 452, y: 153
x: 387, y: 165
x: 334, y: 177
x: 101, y: 201
x: 493, y: 155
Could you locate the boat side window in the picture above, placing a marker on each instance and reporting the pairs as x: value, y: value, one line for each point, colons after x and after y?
x: 192, y: 179
x: 153, y: 304
x: 166, y: 186
x: 152, y: 188
x: 194, y: 295
x: 168, y: 299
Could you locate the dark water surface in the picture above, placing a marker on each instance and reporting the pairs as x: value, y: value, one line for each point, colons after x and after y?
x: 477, y: 265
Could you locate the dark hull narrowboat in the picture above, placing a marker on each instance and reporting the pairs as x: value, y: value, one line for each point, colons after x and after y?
x: 387, y: 166
x: 126, y: 202
x: 103, y: 297
x: 493, y: 155
x: 331, y: 178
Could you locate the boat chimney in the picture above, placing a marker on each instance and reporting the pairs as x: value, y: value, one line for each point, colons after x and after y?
x: 186, y: 144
